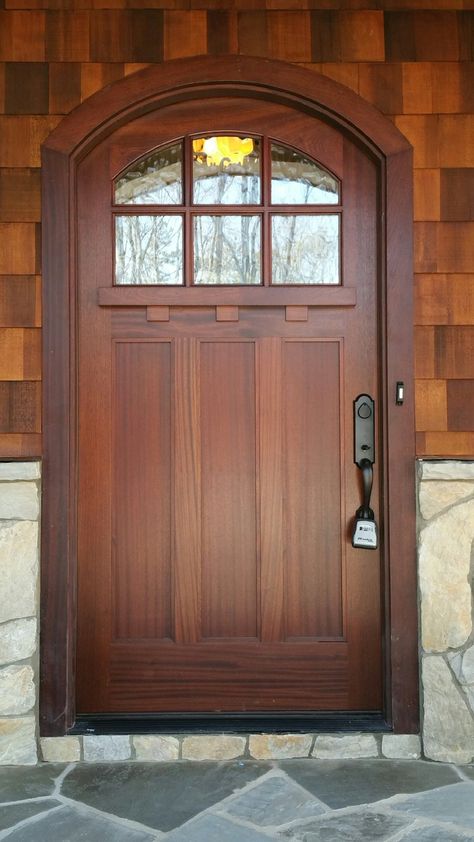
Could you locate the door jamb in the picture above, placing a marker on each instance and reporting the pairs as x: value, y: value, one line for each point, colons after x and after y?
x: 76, y: 135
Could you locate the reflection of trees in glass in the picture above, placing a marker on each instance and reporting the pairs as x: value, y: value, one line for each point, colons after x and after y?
x: 155, y: 180
x: 305, y: 249
x: 227, y: 249
x: 228, y: 184
x: 297, y: 180
x: 149, y: 250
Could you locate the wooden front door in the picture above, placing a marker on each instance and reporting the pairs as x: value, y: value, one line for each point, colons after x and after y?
x: 228, y: 318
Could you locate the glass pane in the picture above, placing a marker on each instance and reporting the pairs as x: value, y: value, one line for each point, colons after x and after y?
x: 226, y: 171
x: 148, y: 250
x: 305, y: 249
x: 155, y: 180
x: 298, y: 181
x: 227, y: 249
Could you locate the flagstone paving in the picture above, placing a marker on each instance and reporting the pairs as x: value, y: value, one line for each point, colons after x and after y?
x: 239, y: 801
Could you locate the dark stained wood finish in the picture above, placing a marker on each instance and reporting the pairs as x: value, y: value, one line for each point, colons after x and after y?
x: 330, y: 296
x: 72, y: 140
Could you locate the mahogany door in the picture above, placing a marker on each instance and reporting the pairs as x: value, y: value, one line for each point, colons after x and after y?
x: 225, y: 330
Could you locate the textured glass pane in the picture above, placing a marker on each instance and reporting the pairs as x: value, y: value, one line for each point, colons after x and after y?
x: 227, y: 249
x: 148, y: 250
x: 298, y: 181
x: 155, y: 180
x: 226, y: 171
x: 305, y: 249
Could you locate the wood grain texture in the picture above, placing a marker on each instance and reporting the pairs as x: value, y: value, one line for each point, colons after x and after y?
x: 427, y: 198
x: 67, y: 36
x: 460, y: 395
x: 142, y: 490
x: 22, y: 36
x: 20, y: 407
x: 18, y: 253
x: 447, y: 445
x: 431, y: 410
x: 26, y: 88
x: 20, y: 354
x: 444, y: 247
x: 185, y: 34
x: 442, y: 299
x: 21, y: 139
x: 64, y: 86
x: 457, y: 194
x: 135, y: 35
x: 20, y: 199
x: 20, y: 301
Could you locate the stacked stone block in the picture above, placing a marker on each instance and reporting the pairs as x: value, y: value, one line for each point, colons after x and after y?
x: 446, y: 501
x: 19, y: 513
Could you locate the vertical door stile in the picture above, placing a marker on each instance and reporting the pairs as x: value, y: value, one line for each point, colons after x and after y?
x: 187, y: 492
x: 272, y: 560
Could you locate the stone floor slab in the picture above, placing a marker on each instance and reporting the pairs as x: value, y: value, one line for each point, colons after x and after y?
x: 468, y: 771
x: 434, y: 833
x: 277, y: 800
x: 450, y: 804
x: 349, y: 827
x: 18, y: 812
x: 71, y: 825
x: 163, y: 795
x: 210, y: 828
x: 343, y: 783
x: 17, y: 782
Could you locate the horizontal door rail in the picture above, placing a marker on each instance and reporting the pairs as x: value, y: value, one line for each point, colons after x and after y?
x: 143, y: 296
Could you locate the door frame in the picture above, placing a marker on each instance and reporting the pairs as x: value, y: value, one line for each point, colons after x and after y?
x: 152, y: 88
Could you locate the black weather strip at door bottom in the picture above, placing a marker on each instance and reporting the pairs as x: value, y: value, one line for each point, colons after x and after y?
x: 207, y: 723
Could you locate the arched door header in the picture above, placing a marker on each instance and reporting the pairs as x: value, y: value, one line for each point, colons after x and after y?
x: 208, y: 76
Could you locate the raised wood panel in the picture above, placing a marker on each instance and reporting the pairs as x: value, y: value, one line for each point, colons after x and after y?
x: 444, y: 299
x: 431, y: 410
x: 142, y: 490
x: 312, y: 506
x: 20, y: 407
x: 21, y: 139
x: 20, y: 301
x: 460, y: 394
x: 22, y: 36
x: 457, y: 194
x: 18, y: 251
x: 185, y: 34
x: 426, y: 195
x: 228, y: 463
x: 126, y: 35
x: 67, y: 36
x: 26, y: 88
x: 20, y: 354
x: 20, y: 199
x: 64, y: 86
x: 446, y: 444
x: 444, y: 247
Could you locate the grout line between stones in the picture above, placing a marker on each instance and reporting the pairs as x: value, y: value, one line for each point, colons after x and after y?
x: 4, y: 834
x: 58, y: 782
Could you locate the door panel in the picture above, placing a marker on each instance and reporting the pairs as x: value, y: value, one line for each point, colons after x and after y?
x: 217, y: 486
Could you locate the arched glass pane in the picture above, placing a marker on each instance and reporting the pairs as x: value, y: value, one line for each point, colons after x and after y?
x: 149, y: 249
x: 297, y: 180
x: 155, y: 180
x: 226, y: 170
x: 227, y: 249
x: 305, y: 249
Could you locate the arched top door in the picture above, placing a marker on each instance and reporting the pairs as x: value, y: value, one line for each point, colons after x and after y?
x: 199, y: 387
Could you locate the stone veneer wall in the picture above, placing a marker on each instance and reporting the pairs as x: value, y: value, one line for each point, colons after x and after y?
x: 446, y: 533
x: 446, y: 577
x: 19, y: 514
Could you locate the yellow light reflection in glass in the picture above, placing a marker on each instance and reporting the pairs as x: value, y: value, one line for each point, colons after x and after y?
x: 215, y: 151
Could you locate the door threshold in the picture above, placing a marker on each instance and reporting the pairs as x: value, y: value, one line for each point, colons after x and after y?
x: 208, y: 723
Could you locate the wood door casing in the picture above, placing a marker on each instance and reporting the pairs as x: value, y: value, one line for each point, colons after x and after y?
x: 216, y: 475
